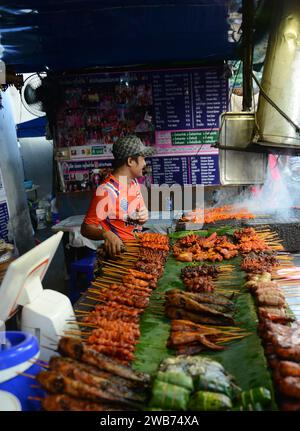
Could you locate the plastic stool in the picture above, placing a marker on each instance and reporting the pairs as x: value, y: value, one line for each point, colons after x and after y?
x: 86, y: 266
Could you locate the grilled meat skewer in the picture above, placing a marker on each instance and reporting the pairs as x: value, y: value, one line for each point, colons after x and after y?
x: 74, y: 349
x: 118, y: 381
x: 74, y: 370
x: 289, y: 368
x: 181, y: 300
x: 56, y: 383
x: 180, y: 338
x: 180, y: 313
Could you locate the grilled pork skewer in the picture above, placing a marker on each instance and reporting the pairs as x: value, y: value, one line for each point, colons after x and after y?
x: 289, y: 368
x: 290, y: 386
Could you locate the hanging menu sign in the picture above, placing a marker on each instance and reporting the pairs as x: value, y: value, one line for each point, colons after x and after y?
x: 187, y: 106
x: 189, y: 99
x: 185, y: 170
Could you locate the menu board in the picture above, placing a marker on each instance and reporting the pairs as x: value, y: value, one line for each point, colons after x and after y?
x: 185, y: 170
x: 189, y: 99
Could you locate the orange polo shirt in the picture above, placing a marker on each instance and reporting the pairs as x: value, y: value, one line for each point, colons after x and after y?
x: 111, y: 205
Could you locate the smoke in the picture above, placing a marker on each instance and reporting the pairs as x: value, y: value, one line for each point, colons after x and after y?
x: 276, y: 196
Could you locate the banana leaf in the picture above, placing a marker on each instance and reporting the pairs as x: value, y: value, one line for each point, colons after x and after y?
x: 244, y: 359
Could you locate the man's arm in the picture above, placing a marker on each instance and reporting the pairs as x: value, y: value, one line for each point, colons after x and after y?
x: 112, y: 242
x: 91, y: 231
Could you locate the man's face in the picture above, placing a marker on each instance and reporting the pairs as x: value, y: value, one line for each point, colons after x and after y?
x: 137, y: 166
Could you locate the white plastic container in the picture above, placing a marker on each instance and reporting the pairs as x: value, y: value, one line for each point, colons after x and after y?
x: 9, y: 402
x: 41, y: 218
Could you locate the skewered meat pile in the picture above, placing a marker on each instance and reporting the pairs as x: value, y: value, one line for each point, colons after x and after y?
x: 249, y: 240
x: 124, y: 301
x: 199, y: 278
x: 197, y: 308
x: 195, y: 247
x: 211, y: 215
x: 199, y: 284
x: 91, y: 375
x: 281, y: 344
x: 259, y: 263
x: 112, y: 325
x: 84, y: 379
x: 114, y: 311
x: 154, y: 241
x: 269, y: 297
x: 191, y: 271
x: 281, y: 341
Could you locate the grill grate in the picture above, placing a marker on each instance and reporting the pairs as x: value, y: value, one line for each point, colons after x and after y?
x: 272, y: 220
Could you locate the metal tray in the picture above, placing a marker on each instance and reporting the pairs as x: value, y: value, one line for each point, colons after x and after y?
x: 242, y: 168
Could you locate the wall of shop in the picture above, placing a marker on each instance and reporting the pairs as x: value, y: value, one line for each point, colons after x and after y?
x: 176, y: 111
x: 37, y: 156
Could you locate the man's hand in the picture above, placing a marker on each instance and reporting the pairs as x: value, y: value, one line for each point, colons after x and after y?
x: 142, y: 215
x: 112, y: 243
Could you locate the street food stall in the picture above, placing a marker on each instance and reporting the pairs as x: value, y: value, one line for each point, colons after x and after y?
x: 174, y: 318
x: 201, y: 315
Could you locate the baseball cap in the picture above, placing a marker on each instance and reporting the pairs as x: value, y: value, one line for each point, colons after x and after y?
x: 130, y: 146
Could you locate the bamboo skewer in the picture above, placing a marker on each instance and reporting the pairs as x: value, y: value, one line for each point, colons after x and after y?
x: 77, y: 332
x: 103, y: 281
x: 113, y: 265
x: 87, y: 324
x: 30, y: 376
x: 98, y: 284
x: 111, y: 279
x: 86, y: 305
x: 39, y: 363
x: 114, y: 272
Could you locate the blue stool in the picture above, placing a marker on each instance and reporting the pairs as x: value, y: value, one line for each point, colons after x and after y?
x: 86, y: 266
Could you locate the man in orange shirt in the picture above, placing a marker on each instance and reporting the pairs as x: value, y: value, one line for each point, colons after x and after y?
x: 117, y: 210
